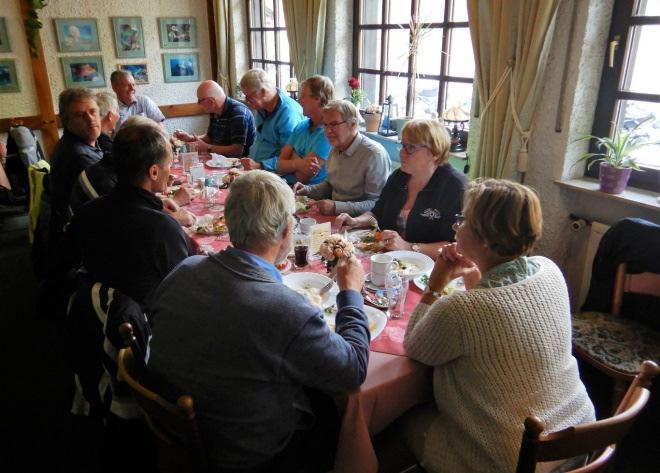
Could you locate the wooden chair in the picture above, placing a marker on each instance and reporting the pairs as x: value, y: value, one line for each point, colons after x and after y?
x: 617, y: 345
x: 598, y: 439
x: 174, y: 425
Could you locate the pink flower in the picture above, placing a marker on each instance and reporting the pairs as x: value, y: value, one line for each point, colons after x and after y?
x: 354, y: 83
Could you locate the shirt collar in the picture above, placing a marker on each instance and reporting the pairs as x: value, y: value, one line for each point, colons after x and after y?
x: 354, y: 146
x: 257, y: 261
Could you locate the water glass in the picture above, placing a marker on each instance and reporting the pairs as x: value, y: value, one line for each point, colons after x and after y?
x: 396, y: 290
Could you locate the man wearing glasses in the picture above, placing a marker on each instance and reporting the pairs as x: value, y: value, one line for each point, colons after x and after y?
x: 357, y: 168
x: 277, y: 116
x: 231, y: 129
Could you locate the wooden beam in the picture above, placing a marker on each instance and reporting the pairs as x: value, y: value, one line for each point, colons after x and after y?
x: 181, y: 110
x: 47, y: 116
x: 213, y: 39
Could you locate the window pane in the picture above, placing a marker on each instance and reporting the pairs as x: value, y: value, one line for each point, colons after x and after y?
x: 429, y: 54
x: 285, y: 74
x: 284, y: 46
x: 370, y: 49
x: 458, y: 94
x: 370, y: 83
x: 426, y: 97
x: 648, y: 8
x: 270, y: 45
x: 269, y: 13
x: 271, y: 70
x: 397, y: 87
x: 255, y: 13
x: 461, y: 59
x: 399, y: 11
x: 459, y: 13
x: 256, y: 45
x: 431, y: 11
x: 646, y: 115
x: 372, y: 12
x: 280, y: 14
x: 641, y: 72
x: 397, y: 50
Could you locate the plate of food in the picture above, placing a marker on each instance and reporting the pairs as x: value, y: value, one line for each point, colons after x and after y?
x: 302, y: 203
x: 422, y: 281
x: 309, y: 285
x: 210, y: 225
x: 222, y: 162
x: 377, y: 320
x: 228, y: 178
x: 412, y: 264
x: 366, y: 241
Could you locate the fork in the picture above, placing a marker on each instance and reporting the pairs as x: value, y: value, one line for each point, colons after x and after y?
x: 328, y: 286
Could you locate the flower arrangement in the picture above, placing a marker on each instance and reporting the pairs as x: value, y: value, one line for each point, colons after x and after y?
x: 334, y: 248
x: 356, y: 93
x: 372, y: 108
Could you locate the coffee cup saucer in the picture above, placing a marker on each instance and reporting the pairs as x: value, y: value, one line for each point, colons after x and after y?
x: 370, y: 286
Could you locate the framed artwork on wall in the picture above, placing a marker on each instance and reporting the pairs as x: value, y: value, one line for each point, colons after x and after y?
x: 178, y: 33
x: 8, y: 78
x: 77, y: 34
x: 139, y: 71
x: 83, y: 71
x: 181, y: 67
x: 5, y: 47
x: 129, y: 37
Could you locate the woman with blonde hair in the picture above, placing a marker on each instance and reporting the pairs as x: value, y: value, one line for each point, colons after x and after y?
x: 501, y: 350
x: 417, y: 206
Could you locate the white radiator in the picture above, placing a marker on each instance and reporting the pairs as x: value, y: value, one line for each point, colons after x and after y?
x: 597, y: 230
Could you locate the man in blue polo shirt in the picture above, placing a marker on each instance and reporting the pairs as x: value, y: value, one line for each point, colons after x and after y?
x: 303, y: 157
x: 231, y: 129
x: 277, y: 116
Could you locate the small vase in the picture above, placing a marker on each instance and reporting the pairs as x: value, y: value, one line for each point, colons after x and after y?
x: 371, y: 121
x: 613, y: 180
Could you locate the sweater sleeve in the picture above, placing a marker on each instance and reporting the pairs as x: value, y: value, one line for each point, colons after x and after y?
x: 434, y: 333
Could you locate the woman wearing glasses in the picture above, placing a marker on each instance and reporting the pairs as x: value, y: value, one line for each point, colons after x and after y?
x: 501, y: 350
x: 417, y: 206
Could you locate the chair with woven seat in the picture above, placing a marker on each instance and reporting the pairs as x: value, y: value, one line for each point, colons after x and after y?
x: 598, y: 439
x: 612, y: 343
x: 173, y: 424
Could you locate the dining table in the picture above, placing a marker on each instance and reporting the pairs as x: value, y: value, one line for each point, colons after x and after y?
x: 394, y: 382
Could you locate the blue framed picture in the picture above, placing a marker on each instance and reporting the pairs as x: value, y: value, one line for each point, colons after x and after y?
x: 139, y: 71
x: 178, y: 33
x: 83, y: 71
x: 77, y: 35
x: 8, y: 78
x: 5, y: 46
x: 129, y: 38
x: 181, y: 67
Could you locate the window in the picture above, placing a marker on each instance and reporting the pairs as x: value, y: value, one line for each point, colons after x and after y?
x: 426, y: 40
x: 629, y: 89
x: 268, y: 47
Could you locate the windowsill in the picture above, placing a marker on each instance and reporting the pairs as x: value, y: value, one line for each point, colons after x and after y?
x: 631, y: 195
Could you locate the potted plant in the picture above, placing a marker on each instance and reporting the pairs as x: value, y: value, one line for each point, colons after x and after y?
x: 371, y: 115
x: 615, y: 158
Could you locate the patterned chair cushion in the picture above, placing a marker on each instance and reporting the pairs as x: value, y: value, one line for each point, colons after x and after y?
x: 615, y: 341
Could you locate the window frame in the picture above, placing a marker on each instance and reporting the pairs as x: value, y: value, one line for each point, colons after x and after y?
x: 623, y: 20
x: 276, y: 28
x: 443, y: 78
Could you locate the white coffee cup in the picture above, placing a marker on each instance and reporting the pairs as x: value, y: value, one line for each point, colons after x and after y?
x: 381, y: 265
x: 306, y: 224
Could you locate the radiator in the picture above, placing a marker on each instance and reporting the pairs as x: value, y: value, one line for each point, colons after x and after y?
x: 597, y: 230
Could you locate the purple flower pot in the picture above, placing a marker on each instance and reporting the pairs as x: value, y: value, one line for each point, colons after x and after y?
x: 613, y: 180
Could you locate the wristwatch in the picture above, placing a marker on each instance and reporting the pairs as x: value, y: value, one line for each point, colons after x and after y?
x: 436, y: 294
x: 416, y: 247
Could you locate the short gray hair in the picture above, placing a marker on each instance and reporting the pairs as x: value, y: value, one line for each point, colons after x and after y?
x: 257, y: 79
x: 258, y: 209
x: 346, y: 109
x: 68, y: 97
x: 107, y: 102
x: 117, y: 75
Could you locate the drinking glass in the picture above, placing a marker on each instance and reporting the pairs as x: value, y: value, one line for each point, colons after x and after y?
x: 300, y: 250
x: 396, y: 290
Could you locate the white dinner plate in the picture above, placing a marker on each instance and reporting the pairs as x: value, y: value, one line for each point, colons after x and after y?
x: 454, y: 285
x: 221, y: 162
x: 355, y: 236
x: 421, y: 264
x: 298, y: 281
x: 377, y: 321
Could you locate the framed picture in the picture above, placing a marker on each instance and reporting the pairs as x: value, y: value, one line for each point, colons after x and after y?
x: 129, y: 38
x: 178, y: 33
x: 77, y: 34
x: 8, y: 78
x: 181, y: 67
x: 83, y: 71
x: 139, y: 71
x: 5, y: 47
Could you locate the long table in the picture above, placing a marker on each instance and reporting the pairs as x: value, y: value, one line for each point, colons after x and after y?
x: 394, y: 382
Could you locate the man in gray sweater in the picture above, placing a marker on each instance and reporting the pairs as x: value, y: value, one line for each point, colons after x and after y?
x: 249, y: 349
x: 357, y: 167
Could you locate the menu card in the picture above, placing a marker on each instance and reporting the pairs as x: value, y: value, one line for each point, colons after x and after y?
x: 318, y: 234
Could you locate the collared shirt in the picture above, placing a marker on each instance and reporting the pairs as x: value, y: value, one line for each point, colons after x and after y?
x: 355, y: 177
x: 511, y: 272
x: 143, y: 106
x: 274, y: 129
x: 257, y: 261
x: 234, y: 126
x: 305, y: 140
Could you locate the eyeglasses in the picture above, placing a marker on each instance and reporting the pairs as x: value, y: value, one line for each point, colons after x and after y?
x: 409, y: 147
x: 459, y: 219
x: 250, y: 97
x: 333, y: 126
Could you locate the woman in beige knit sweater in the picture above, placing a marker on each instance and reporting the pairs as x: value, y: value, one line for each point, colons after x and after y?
x: 501, y: 350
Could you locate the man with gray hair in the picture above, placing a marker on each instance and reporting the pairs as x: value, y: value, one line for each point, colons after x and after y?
x: 251, y: 352
x: 130, y: 103
x: 277, y: 116
x: 357, y: 168
x: 109, y: 113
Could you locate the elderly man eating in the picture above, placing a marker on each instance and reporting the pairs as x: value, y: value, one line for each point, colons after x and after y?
x: 254, y: 354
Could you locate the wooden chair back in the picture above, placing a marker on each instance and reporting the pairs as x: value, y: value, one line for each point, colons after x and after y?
x: 597, y: 439
x: 173, y: 424
x: 643, y: 283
